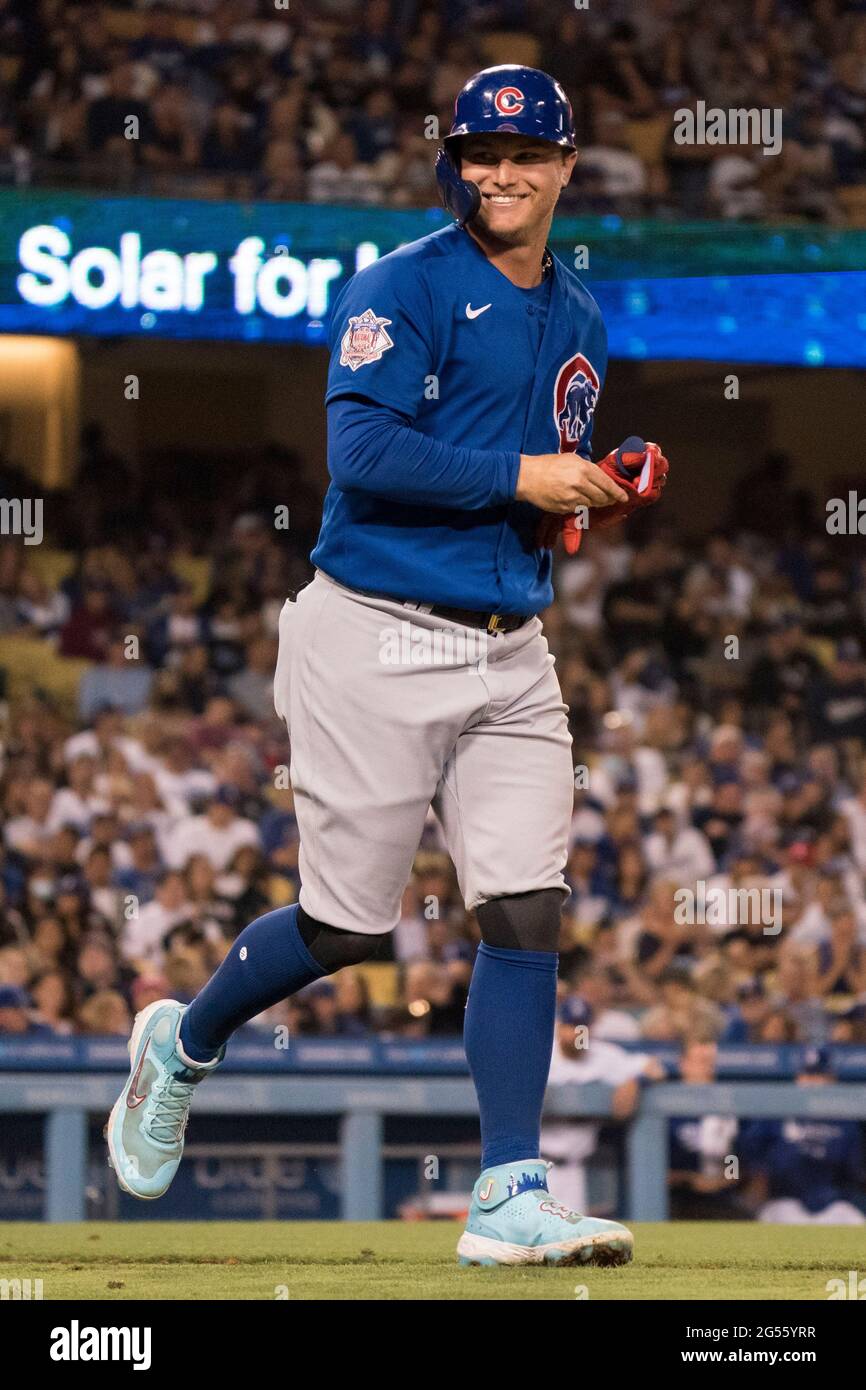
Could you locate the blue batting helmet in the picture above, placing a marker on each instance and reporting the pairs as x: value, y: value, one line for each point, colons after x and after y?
x: 509, y: 100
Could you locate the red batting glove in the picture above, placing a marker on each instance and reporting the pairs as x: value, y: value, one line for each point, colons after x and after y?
x: 642, y: 474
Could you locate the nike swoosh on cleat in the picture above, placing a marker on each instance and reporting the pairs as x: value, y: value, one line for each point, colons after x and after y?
x: 476, y: 313
x: 133, y: 1099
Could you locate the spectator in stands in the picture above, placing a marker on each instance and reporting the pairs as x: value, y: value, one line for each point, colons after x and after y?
x: 105, y: 1014
x: 633, y: 609
x: 592, y: 887
x: 73, y: 909
x: 144, y: 933
x: 259, y: 86
x: 51, y: 946
x: 613, y: 178
x: 159, y: 47
x: 321, y: 1013
x: 798, y: 993
x: 15, y: 1017
x: 77, y: 803
x: 41, y: 611
x: 354, y: 1010
x: 30, y: 834
x: 853, y: 808
x: 218, y: 834
x: 178, y: 779
x: 747, y: 1018
x: 106, y: 896
x: 243, y: 888
x: 119, y: 681
x: 176, y: 625
x: 53, y: 997
x: 375, y: 127
x: 837, y: 703
x: 283, y: 178
x: 96, y: 966
x: 597, y: 985
x: 781, y: 675
x: 13, y: 926
x: 252, y: 688
x: 841, y: 964
x: 144, y: 864
x: 680, y: 853
x: 170, y: 144
x: 87, y: 630
x: 342, y: 177
x: 108, y: 118
x: 682, y: 1010
x: 434, y: 1000
x: 230, y: 145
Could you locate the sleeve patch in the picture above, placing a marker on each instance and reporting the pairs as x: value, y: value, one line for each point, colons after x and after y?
x: 365, y: 340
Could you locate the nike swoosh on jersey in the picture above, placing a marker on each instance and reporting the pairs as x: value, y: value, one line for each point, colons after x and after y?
x: 476, y: 313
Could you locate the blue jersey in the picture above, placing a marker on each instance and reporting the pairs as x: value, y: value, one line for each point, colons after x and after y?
x: 436, y: 334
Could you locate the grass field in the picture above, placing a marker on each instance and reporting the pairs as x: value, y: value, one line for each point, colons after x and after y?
x: 394, y: 1260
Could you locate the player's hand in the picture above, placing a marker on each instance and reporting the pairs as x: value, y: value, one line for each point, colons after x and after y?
x: 642, y: 470
x: 562, y: 482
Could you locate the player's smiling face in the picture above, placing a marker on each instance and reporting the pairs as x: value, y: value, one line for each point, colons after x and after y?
x: 520, y: 181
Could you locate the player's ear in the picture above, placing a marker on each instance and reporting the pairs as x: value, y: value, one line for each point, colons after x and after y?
x: 569, y: 159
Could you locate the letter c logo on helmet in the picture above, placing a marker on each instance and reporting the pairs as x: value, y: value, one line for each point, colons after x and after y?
x: 509, y: 101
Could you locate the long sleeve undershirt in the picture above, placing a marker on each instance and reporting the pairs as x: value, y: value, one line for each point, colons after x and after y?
x: 373, y: 449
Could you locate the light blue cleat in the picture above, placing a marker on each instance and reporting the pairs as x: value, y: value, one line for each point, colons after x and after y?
x: 146, y: 1126
x: 513, y: 1220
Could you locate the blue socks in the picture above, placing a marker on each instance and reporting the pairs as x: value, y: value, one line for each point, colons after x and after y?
x: 266, y: 963
x: 508, y: 1036
x: 508, y: 1032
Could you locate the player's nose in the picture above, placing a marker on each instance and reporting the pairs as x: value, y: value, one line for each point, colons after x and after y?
x: 506, y: 174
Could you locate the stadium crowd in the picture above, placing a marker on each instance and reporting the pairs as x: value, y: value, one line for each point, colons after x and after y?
x: 338, y: 100
x: 716, y: 689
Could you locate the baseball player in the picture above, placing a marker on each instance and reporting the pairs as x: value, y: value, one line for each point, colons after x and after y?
x: 465, y: 372
x: 809, y: 1171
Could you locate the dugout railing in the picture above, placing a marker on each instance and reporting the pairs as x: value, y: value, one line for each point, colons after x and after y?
x: 50, y: 1081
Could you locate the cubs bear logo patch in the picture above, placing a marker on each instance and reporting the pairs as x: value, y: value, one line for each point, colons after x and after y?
x: 574, y: 400
x: 365, y: 340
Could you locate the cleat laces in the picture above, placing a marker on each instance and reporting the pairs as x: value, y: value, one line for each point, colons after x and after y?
x: 168, y: 1111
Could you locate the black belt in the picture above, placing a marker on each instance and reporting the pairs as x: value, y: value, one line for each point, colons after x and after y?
x: 490, y: 622
x: 468, y: 617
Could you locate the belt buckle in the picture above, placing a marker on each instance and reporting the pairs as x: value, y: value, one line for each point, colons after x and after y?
x: 494, y: 623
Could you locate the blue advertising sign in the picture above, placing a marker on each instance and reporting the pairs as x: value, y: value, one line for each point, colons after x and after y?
x: 75, y: 263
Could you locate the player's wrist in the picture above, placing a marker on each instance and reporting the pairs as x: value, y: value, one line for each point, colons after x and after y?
x: 526, y: 474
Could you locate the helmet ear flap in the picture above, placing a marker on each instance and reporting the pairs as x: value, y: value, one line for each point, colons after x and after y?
x: 460, y: 197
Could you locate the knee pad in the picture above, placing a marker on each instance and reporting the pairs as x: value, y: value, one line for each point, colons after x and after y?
x: 331, y: 947
x: 522, y: 922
